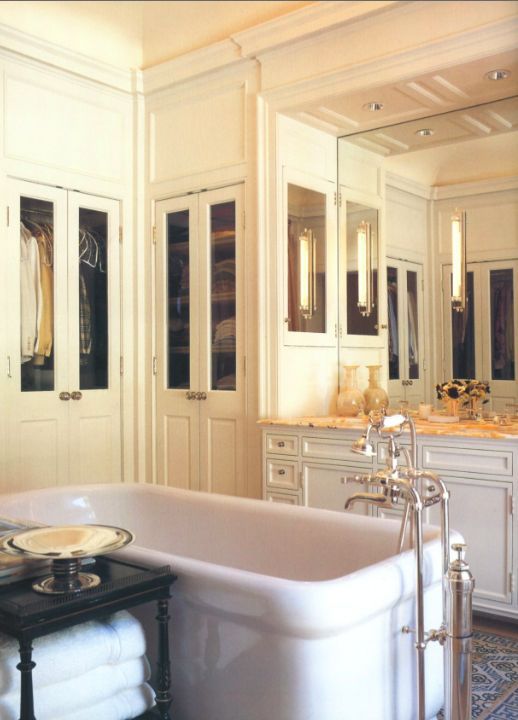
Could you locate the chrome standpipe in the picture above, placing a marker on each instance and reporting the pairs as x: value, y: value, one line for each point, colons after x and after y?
x: 459, y: 634
x: 419, y: 490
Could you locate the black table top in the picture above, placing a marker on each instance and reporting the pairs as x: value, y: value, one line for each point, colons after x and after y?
x: 24, y: 612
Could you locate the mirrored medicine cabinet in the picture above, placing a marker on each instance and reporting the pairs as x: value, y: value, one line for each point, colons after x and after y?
x: 350, y: 282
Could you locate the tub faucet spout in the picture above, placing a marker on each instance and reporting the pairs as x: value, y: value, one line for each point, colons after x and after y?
x: 374, y: 498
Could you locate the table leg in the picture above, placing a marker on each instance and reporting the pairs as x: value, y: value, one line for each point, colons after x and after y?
x: 25, y: 667
x: 163, y: 696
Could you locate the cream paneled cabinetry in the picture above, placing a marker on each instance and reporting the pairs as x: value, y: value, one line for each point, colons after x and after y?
x: 200, y: 341
x: 63, y: 386
x: 309, y: 466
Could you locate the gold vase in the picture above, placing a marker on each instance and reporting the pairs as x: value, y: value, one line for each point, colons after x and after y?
x: 350, y: 399
x: 375, y: 396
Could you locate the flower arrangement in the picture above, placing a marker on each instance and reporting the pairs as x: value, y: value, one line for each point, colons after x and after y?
x: 466, y: 392
x: 451, y: 390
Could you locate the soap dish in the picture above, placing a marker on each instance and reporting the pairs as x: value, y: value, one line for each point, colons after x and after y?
x: 443, y: 418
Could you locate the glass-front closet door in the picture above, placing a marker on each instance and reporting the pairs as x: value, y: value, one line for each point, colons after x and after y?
x: 36, y: 338
x: 481, y: 341
x: 177, y: 340
x: 405, y: 332
x: 94, y: 336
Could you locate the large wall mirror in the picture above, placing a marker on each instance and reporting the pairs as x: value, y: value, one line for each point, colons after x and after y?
x: 431, y: 168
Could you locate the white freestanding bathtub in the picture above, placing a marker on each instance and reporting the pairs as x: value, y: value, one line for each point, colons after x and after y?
x: 279, y: 612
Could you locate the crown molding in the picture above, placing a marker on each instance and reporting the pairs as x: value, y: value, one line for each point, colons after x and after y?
x: 198, y: 62
x: 306, y: 21
x: 34, y: 48
x: 476, y: 187
x: 409, y: 186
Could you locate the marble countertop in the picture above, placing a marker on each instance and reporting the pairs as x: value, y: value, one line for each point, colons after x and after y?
x: 483, y: 429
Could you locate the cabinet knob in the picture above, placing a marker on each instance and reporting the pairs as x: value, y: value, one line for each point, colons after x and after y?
x: 282, y: 472
x: 281, y: 443
x: 76, y: 395
x: 64, y: 395
x: 190, y: 395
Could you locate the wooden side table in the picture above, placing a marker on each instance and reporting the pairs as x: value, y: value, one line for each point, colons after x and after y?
x: 25, y: 615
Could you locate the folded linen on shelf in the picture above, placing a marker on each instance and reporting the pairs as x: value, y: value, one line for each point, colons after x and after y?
x: 78, y: 693
x: 68, y: 653
x: 125, y: 705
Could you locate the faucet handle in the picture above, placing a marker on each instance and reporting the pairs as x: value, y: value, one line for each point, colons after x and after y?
x: 363, y: 479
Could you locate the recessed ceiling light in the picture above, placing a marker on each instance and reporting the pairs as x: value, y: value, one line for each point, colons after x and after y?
x: 424, y: 132
x: 373, y: 106
x: 498, y: 74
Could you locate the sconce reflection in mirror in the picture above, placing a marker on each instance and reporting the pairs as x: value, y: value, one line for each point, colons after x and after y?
x: 307, y: 273
x: 364, y: 242
x: 458, y: 252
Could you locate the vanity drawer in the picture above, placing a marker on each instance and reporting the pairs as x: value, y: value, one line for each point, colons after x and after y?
x: 282, y: 444
x: 282, y: 474
x: 468, y: 460
x: 331, y: 449
x: 284, y: 497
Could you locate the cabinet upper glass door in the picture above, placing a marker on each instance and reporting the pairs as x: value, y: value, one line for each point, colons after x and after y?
x: 93, y: 299
x: 36, y: 294
x: 223, y: 295
x: 178, y: 300
x: 501, y: 292
x: 306, y: 260
x: 463, y: 334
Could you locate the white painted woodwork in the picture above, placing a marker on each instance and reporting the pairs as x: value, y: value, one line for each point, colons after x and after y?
x: 481, y: 511
x: 481, y: 475
x: 51, y: 441
x: 200, y: 443
x: 325, y: 487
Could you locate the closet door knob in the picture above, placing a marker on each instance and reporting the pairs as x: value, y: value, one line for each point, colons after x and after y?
x: 190, y: 395
x: 76, y: 395
x: 203, y: 396
x: 64, y: 395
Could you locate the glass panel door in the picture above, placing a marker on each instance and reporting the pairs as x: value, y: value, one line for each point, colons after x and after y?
x: 306, y: 260
x: 501, y: 299
x: 36, y: 294
x: 463, y: 334
x: 93, y: 299
x: 413, y: 325
x: 393, y: 323
x: 178, y: 301
x: 223, y: 295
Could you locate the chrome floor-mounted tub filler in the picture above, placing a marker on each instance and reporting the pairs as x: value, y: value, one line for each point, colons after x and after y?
x: 416, y: 490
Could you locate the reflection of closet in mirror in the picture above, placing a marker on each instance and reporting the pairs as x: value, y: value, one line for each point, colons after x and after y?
x: 480, y: 342
x: 405, y: 331
x: 306, y: 260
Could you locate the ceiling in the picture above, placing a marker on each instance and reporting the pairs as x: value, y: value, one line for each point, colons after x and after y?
x: 139, y: 33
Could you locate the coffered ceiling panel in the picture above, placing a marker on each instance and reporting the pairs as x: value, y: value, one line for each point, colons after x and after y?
x: 437, y: 92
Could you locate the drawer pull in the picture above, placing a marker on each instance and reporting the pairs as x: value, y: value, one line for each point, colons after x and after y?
x: 282, y: 472
x: 281, y: 443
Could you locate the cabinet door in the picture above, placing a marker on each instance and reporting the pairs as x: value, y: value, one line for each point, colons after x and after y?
x: 37, y: 337
x: 481, y: 510
x: 200, y: 341
x: 325, y: 487
x: 94, y: 338
x: 177, y: 342
x: 405, y: 331
x: 221, y: 380
x: 309, y: 260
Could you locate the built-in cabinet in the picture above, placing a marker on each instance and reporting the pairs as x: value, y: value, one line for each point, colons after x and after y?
x: 317, y: 468
x: 63, y: 339
x: 200, y: 361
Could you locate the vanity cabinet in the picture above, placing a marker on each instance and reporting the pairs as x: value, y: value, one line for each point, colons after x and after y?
x: 309, y: 465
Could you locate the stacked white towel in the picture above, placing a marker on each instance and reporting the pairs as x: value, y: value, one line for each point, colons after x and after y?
x: 94, y: 670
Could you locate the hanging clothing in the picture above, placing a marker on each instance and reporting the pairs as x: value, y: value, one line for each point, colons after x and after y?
x: 43, y: 347
x: 85, y: 321
x: 30, y: 293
